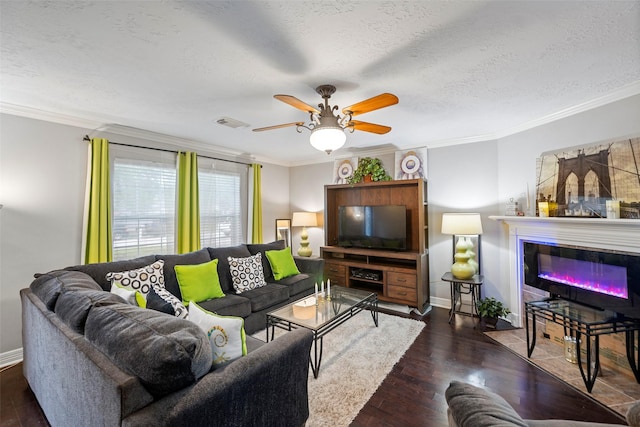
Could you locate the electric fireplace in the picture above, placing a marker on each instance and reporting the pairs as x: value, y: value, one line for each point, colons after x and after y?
x: 606, y: 280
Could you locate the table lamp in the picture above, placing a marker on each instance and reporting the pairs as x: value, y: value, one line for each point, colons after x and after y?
x: 465, y: 226
x: 304, y: 220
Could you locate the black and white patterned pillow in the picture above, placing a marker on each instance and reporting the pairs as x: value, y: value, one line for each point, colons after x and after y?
x: 146, y: 278
x: 179, y: 310
x: 140, y: 279
x: 246, y: 273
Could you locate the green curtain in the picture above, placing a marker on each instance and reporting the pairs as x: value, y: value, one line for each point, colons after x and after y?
x: 98, y: 244
x: 188, y: 226
x: 256, y: 223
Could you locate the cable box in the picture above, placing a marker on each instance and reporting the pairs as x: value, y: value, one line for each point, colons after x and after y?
x: 361, y: 273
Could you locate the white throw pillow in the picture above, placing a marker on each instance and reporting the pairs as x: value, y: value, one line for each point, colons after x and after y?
x: 132, y: 297
x: 246, y: 273
x: 226, y: 333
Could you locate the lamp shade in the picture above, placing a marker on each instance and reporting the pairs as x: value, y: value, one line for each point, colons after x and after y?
x: 328, y: 139
x: 304, y: 219
x: 461, y: 223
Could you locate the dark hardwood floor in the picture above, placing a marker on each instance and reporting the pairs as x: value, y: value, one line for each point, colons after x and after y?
x: 413, y: 393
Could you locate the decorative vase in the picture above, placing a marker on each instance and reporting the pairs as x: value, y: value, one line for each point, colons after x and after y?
x: 367, y: 178
x: 472, y: 260
x: 461, y: 269
x: 304, y: 249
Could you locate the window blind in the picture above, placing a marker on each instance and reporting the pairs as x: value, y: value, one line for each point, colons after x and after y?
x: 143, y: 207
x: 221, y: 207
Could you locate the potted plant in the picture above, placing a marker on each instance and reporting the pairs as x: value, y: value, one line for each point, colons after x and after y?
x: 490, y: 309
x: 369, y: 169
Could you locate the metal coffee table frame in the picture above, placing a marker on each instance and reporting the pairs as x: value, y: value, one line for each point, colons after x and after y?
x: 355, y: 300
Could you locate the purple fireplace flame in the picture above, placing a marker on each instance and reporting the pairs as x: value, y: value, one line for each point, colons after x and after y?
x: 592, y: 276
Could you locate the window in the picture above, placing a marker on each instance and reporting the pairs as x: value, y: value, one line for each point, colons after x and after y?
x: 223, y: 203
x: 143, y: 203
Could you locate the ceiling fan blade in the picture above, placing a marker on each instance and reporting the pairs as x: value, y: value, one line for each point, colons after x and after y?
x: 286, y: 125
x: 377, y: 102
x: 295, y: 102
x: 369, y: 127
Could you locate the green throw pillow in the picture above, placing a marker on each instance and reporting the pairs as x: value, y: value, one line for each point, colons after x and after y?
x: 199, y: 282
x: 282, y: 263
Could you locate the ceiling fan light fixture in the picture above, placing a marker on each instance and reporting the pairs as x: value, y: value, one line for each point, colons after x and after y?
x: 327, y: 138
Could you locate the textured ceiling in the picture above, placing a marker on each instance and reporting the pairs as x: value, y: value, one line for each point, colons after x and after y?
x: 462, y: 70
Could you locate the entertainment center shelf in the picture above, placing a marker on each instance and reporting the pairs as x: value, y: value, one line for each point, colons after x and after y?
x: 396, y: 276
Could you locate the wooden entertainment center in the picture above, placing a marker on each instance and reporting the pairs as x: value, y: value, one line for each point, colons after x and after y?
x: 396, y: 276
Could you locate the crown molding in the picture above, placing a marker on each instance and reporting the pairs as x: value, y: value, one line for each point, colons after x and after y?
x: 172, y: 141
x: 632, y: 89
x: 48, y: 116
x: 95, y: 128
x: 628, y: 91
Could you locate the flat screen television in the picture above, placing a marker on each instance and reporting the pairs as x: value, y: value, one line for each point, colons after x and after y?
x: 373, y: 227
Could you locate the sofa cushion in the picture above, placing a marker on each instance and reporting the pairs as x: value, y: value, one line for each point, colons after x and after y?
x: 266, y: 296
x: 472, y: 406
x: 298, y: 283
x: 73, y: 305
x: 263, y: 247
x: 226, y: 334
x: 246, y: 273
x: 170, y: 261
x: 221, y: 255
x: 98, y: 271
x: 282, y: 263
x: 166, y: 353
x: 139, y: 279
x: 199, y: 282
x: 48, y: 286
x: 230, y: 305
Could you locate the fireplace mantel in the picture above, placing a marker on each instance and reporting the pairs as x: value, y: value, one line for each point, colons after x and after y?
x: 592, y: 233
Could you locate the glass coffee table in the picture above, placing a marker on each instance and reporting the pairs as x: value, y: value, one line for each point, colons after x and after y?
x: 323, y: 316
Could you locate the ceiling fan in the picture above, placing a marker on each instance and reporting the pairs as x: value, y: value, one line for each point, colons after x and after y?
x: 327, y: 128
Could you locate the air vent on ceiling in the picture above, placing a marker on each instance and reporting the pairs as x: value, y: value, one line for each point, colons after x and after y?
x: 232, y: 123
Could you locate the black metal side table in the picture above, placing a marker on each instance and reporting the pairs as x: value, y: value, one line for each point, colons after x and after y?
x: 459, y: 287
x: 581, y: 321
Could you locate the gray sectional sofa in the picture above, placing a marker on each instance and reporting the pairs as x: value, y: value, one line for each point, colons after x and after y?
x: 472, y: 406
x: 93, y: 359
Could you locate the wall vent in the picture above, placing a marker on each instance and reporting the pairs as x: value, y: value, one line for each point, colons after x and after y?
x: 232, y: 123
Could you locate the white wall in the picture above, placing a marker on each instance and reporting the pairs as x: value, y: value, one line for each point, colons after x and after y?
x: 42, y: 176
x: 275, y: 199
x: 307, y: 195
x: 462, y: 178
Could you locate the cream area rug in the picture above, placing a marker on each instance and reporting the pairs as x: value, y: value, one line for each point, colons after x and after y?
x: 356, y: 358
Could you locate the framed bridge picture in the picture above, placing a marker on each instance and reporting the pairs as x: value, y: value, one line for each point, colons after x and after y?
x: 601, y: 181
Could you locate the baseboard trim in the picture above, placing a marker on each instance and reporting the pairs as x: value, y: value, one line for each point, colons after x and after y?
x: 441, y: 302
x: 10, y: 357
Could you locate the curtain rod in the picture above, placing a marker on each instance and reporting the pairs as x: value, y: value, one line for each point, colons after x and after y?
x: 86, y: 138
